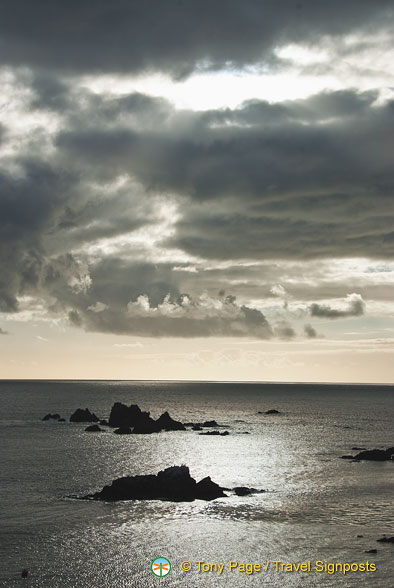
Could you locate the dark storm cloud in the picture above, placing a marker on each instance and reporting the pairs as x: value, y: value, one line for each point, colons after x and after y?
x: 302, y: 179
x: 356, y: 307
x: 173, y: 36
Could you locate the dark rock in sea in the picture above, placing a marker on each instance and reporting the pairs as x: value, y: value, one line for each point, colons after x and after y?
x: 123, y: 431
x: 245, y: 491
x: 242, y: 491
x: 93, y: 429
x: 146, y: 425
x: 173, y: 483
x: 358, y: 448
x: 386, y: 540
x: 196, y: 428
x: 52, y: 417
x: 223, y: 434
x: 372, y: 455
x: 83, y: 416
x: 141, y: 422
x: 125, y: 416
x: 167, y: 423
x: 208, y: 490
x: 210, y: 424
x: 360, y: 536
x: 375, y: 454
x: 272, y: 411
x: 371, y: 551
x: 104, y: 422
x: 62, y: 420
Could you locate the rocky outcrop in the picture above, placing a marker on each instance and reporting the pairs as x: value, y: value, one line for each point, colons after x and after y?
x: 173, y: 483
x: 167, y: 423
x: 146, y: 425
x: 125, y: 416
x: 93, y: 429
x: 83, y: 416
x: 51, y: 417
x: 123, y: 431
x: 372, y: 455
x: 141, y: 422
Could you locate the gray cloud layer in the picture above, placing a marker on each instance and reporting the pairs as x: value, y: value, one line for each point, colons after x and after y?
x: 299, y: 180
x: 173, y: 36
x: 302, y: 179
x: 356, y: 307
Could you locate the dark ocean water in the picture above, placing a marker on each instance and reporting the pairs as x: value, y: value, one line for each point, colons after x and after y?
x: 314, y: 510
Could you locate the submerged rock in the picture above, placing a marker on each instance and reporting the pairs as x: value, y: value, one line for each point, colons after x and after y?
x: 386, y: 540
x: 51, y: 417
x: 173, y: 483
x: 223, y: 434
x: 245, y: 491
x: 371, y: 551
x: 93, y: 429
x: 271, y: 411
x: 210, y: 424
x: 83, y: 416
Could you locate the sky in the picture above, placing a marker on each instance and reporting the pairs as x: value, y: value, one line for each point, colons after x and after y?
x: 197, y: 190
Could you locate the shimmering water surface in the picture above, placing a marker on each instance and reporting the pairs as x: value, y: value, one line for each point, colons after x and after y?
x: 315, y: 508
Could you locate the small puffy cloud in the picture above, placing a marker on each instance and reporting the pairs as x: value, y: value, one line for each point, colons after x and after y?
x: 2, y: 332
x: 284, y: 330
x: 98, y: 307
x: 310, y: 332
x: 279, y: 291
x: 355, y: 307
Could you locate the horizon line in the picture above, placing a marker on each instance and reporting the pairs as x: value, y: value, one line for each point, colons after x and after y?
x: 270, y: 382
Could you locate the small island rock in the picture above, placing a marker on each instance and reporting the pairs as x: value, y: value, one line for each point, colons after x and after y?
x: 83, y: 416
x: 173, y: 483
x: 51, y: 417
x: 93, y: 429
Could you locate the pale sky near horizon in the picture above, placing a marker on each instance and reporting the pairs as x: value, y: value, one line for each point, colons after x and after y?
x: 197, y: 190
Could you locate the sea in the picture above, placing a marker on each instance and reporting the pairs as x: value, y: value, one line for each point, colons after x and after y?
x: 318, y: 510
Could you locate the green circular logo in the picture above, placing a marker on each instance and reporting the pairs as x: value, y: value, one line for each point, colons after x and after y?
x: 160, y: 567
